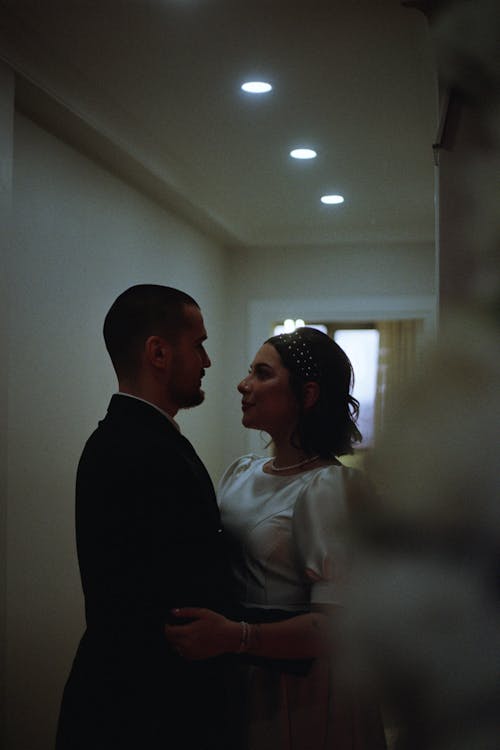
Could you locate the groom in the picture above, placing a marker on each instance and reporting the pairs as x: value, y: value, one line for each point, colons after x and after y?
x: 148, y: 539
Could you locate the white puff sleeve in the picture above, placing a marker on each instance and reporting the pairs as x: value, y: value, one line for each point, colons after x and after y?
x: 319, y: 530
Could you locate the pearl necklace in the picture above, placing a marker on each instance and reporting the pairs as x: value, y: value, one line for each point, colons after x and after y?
x: 293, y: 466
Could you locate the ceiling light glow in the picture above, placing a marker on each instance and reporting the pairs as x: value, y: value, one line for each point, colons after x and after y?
x: 303, y: 153
x: 256, y: 87
x: 331, y: 200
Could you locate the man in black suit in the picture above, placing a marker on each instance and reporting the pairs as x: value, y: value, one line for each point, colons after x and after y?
x: 149, y: 539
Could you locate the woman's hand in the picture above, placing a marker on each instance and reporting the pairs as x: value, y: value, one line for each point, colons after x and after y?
x: 208, y: 634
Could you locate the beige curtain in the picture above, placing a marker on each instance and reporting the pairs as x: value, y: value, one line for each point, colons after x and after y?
x: 398, y: 361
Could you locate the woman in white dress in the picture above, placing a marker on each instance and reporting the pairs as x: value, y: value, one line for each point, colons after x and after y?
x: 286, y: 519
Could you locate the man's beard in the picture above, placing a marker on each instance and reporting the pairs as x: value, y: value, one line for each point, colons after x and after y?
x: 186, y: 400
x: 195, y: 400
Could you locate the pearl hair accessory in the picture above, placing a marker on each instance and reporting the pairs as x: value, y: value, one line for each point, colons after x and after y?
x: 301, y: 355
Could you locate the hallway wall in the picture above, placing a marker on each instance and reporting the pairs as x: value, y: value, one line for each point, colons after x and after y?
x: 80, y: 237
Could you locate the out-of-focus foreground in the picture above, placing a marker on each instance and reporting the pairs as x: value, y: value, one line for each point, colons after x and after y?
x: 423, y: 625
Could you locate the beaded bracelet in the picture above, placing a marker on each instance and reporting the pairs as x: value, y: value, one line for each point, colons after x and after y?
x: 245, y: 629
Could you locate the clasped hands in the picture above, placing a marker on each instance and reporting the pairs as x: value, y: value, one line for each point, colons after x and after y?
x: 207, y: 633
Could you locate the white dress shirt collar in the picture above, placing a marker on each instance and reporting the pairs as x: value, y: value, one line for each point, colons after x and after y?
x: 165, y: 414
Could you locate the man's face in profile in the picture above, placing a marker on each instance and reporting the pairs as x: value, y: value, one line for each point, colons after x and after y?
x: 189, y: 361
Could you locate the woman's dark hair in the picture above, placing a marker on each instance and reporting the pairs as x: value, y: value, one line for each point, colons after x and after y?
x: 329, y: 427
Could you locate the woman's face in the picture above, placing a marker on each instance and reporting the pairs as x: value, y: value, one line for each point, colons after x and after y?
x: 268, y: 402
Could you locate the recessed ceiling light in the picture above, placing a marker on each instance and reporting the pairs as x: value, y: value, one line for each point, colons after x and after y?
x: 330, y: 200
x: 303, y: 153
x: 256, y: 87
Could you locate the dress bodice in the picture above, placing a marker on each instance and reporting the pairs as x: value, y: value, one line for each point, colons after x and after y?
x: 287, y: 533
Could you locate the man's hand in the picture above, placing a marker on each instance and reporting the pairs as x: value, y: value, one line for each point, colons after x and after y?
x: 207, y: 634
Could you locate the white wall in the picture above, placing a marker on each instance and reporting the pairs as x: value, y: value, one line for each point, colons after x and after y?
x: 6, y: 131
x: 80, y: 237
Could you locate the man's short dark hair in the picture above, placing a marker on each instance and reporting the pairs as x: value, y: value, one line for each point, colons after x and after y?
x: 139, y: 312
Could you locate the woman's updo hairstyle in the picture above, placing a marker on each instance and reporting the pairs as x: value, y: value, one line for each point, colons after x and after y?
x: 329, y: 427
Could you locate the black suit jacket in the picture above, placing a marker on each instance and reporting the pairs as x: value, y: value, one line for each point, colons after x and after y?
x: 149, y: 538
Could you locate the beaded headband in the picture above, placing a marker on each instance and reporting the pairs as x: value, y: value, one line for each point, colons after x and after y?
x: 300, y: 353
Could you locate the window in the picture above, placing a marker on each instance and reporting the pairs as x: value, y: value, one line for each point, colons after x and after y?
x: 362, y: 347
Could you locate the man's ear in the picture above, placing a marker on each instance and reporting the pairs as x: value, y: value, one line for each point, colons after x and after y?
x: 157, y: 352
x: 310, y: 394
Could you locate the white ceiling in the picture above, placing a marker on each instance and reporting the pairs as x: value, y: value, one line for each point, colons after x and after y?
x: 352, y: 78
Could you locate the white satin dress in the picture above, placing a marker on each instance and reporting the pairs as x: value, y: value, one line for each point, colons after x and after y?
x: 288, y: 533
